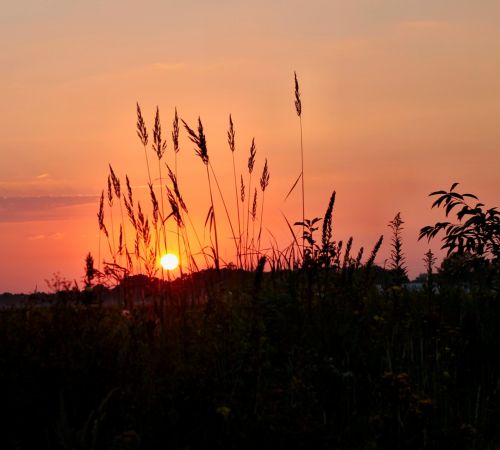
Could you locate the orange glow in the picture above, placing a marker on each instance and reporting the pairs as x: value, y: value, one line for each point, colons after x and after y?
x: 395, y: 105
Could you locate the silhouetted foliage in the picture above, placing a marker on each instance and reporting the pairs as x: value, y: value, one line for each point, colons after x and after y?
x: 397, y: 259
x: 477, y: 231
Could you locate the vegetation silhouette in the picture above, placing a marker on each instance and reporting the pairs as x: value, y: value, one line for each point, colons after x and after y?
x: 325, y: 349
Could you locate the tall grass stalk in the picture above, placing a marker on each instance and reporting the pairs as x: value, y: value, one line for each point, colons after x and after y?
x: 142, y: 132
x: 123, y: 235
x: 202, y: 151
x: 177, y: 204
x: 159, y: 147
x: 110, y: 205
x: 238, y: 256
x: 185, y: 213
x: 102, y: 227
x: 175, y: 141
x: 298, y: 108
x: 232, y: 147
x: 242, y: 199
x: 264, y: 182
x: 156, y: 217
x: 251, y: 163
x: 253, y: 213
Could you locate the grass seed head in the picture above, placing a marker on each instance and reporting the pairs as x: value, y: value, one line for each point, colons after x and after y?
x: 154, y: 202
x: 251, y: 158
x: 100, y: 215
x: 253, y: 213
x: 175, y: 132
x: 242, y: 190
x: 198, y: 139
x: 264, y: 179
x: 110, y: 191
x: 175, y: 185
x: 142, y: 132
x: 129, y: 189
x: 116, y: 182
x: 231, y: 134
x: 298, y: 102
x: 159, y: 145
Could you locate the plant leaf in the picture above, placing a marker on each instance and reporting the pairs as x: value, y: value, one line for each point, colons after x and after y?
x: 293, y: 187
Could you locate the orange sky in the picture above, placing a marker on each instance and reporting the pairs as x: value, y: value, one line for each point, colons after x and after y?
x: 399, y: 99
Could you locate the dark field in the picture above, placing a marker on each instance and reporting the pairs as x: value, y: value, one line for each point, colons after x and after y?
x: 310, y: 358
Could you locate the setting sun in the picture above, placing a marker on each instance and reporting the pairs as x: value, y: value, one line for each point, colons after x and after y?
x: 169, y: 261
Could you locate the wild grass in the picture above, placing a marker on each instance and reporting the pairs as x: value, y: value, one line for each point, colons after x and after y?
x: 283, y: 359
x: 325, y: 349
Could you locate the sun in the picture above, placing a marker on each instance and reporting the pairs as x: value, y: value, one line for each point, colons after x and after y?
x: 169, y: 261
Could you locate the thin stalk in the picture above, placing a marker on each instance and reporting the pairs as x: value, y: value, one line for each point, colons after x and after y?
x: 242, y: 199
x: 232, y: 147
x: 162, y: 214
x: 298, y: 109
x: 261, y: 219
x: 178, y: 229
x: 248, y: 215
x: 251, y: 162
x: 99, y: 253
x: 264, y: 182
x: 147, y: 164
x: 112, y: 232
x: 254, y: 213
x: 197, y: 239
x: 237, y: 211
x: 215, y: 221
x: 227, y: 212
x: 302, y: 183
x: 175, y: 141
x: 124, y: 232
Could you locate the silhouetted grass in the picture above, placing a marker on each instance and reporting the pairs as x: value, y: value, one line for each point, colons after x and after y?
x: 287, y: 359
x: 324, y: 350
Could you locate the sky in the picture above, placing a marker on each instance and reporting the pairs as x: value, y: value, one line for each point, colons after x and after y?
x: 399, y: 99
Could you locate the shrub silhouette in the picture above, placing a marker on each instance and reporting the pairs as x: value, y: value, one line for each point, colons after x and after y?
x: 478, y: 234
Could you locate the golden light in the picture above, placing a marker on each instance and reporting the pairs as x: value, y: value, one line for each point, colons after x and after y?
x: 169, y: 261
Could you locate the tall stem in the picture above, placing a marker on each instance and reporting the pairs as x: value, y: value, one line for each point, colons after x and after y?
x: 248, y: 216
x: 112, y: 233
x: 302, y: 182
x: 179, y: 250
x: 225, y: 208
x: 124, y: 231
x: 162, y: 213
x: 215, y: 221
x: 260, y: 228
x: 147, y: 164
x: 238, y: 211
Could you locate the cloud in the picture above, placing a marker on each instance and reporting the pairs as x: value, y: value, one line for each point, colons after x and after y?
x: 30, y: 209
x: 42, y: 184
x: 38, y: 237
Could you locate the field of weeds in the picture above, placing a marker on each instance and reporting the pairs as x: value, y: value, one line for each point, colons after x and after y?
x: 235, y: 359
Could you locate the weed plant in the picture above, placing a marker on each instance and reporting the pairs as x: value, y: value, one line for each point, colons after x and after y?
x: 322, y: 350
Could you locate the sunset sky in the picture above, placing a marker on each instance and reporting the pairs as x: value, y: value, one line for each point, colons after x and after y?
x: 400, y: 98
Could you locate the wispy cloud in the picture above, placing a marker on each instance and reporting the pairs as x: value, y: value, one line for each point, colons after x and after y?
x: 42, y: 184
x: 30, y: 209
x: 54, y: 236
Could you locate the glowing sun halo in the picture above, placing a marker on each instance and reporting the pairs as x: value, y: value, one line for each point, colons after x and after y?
x: 169, y: 261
